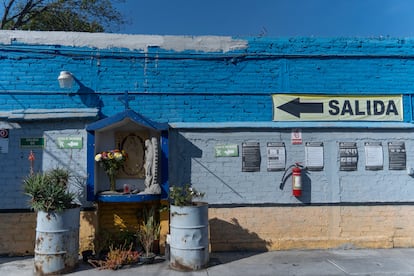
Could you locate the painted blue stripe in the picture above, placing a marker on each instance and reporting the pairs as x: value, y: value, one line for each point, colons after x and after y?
x: 127, y: 198
x: 304, y: 124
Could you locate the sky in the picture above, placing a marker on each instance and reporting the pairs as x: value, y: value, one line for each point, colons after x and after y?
x: 272, y: 18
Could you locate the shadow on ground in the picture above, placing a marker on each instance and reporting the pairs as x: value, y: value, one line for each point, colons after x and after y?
x: 219, y: 258
x: 230, y: 242
x: 8, y: 259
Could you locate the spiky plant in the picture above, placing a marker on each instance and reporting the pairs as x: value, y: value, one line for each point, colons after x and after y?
x: 48, y: 191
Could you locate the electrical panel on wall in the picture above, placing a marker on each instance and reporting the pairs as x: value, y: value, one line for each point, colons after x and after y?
x: 276, y: 156
x: 348, y: 156
x: 314, y: 156
x: 397, y: 155
x: 251, y: 157
x: 374, y: 158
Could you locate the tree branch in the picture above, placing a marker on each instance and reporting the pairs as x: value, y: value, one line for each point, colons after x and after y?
x: 7, y: 9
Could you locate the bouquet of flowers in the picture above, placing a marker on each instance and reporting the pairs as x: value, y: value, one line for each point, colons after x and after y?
x: 111, y: 161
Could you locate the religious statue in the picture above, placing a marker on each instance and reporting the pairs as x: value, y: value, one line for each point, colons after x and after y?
x: 151, y: 167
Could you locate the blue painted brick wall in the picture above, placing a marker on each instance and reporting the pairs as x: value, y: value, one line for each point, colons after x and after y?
x: 214, y: 86
x: 195, y: 86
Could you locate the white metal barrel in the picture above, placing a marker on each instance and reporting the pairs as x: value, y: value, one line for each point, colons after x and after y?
x: 189, y: 239
x: 50, y: 243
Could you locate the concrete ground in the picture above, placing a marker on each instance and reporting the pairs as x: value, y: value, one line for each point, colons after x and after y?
x: 294, y: 262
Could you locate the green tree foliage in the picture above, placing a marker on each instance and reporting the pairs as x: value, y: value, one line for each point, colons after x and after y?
x: 60, y: 15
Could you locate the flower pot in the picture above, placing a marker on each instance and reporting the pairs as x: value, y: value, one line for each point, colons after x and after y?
x: 57, y: 241
x: 189, y: 243
x: 147, y: 258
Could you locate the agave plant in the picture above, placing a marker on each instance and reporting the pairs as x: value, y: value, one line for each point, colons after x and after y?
x: 49, y: 190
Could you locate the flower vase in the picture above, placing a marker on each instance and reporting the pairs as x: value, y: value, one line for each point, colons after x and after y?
x: 112, y: 182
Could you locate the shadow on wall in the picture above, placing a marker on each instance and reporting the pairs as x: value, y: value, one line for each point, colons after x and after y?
x: 88, y: 230
x: 181, y: 153
x: 88, y: 97
x: 306, y: 188
x: 231, y: 236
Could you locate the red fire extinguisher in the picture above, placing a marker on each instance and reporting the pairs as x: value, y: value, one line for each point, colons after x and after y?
x: 296, y: 179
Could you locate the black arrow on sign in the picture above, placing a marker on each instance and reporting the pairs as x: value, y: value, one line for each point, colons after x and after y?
x: 295, y: 107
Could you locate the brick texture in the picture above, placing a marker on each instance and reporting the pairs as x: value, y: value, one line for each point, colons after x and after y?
x: 282, y: 228
x: 223, y: 86
x: 19, y: 232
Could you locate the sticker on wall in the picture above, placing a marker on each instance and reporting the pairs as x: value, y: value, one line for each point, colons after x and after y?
x: 296, y: 136
x: 70, y: 142
x: 231, y: 150
x: 33, y: 142
x: 276, y: 156
x: 348, y: 156
x: 4, y: 140
x: 314, y: 156
x: 374, y: 158
x: 251, y: 157
x: 397, y: 156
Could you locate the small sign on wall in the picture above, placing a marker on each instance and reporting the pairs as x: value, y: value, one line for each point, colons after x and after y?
x: 314, y: 156
x: 397, y: 155
x: 296, y: 136
x: 231, y: 150
x: 276, y: 156
x: 251, y: 157
x: 69, y: 142
x: 33, y: 142
x: 348, y: 156
x: 4, y: 140
x: 374, y: 158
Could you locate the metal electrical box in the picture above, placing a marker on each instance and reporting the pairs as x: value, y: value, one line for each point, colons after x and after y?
x: 251, y: 157
x: 348, y: 156
x: 276, y: 156
x: 397, y: 156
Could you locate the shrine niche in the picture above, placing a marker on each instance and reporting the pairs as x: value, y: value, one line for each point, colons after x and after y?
x: 139, y: 177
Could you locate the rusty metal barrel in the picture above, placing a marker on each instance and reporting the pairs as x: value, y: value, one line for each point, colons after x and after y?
x: 50, y: 243
x: 189, y: 239
x: 57, y: 241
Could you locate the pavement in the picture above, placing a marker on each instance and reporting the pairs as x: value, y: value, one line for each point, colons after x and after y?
x: 399, y: 261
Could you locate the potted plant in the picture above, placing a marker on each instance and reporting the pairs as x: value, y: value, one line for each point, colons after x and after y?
x: 189, y: 242
x: 148, y: 232
x: 57, y: 225
x: 111, y: 161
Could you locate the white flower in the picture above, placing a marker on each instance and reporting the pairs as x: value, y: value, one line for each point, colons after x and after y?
x: 118, y: 156
x: 98, y: 157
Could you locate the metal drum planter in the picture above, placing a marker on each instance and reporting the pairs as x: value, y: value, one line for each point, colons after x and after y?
x: 71, y: 219
x: 189, y: 243
x: 50, y: 243
x: 57, y: 241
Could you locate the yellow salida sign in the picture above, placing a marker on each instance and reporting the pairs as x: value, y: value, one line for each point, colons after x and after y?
x: 297, y: 107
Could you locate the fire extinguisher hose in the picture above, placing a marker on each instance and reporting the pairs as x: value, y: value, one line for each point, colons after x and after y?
x: 285, y: 176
